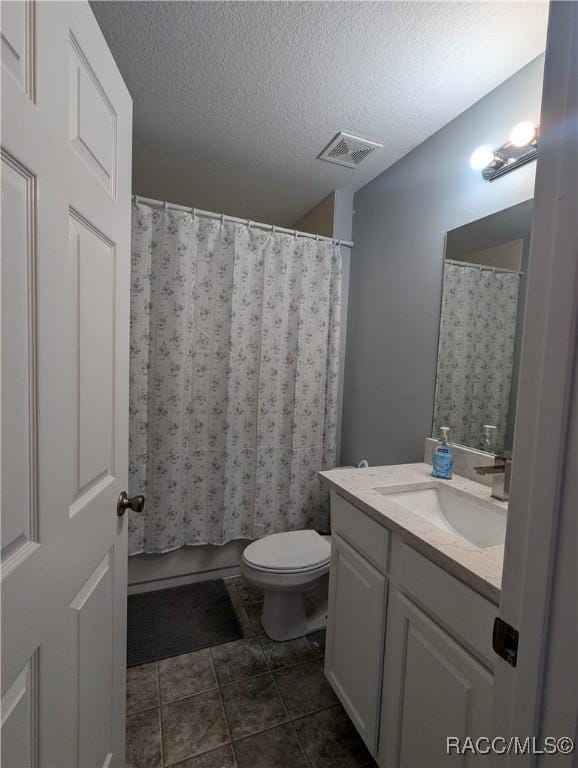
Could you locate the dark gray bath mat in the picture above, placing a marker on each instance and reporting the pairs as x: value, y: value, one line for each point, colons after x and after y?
x: 179, y: 620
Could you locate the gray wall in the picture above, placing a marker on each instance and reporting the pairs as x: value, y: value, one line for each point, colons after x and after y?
x: 400, y: 222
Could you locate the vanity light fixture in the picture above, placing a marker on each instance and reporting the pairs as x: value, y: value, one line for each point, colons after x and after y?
x: 519, y: 150
x: 523, y: 134
x: 481, y: 157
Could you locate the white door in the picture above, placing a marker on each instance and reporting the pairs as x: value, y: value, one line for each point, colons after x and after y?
x: 66, y: 162
x: 355, y: 636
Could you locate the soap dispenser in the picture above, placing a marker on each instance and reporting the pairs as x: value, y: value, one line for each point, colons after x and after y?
x: 443, y: 459
x: 489, y: 437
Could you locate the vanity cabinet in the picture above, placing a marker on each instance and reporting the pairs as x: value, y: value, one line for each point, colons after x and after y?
x: 356, y: 616
x: 408, y: 648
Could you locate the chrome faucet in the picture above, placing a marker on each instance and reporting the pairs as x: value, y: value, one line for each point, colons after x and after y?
x: 502, y: 470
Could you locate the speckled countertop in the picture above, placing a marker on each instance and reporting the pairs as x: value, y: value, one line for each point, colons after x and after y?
x: 479, y: 568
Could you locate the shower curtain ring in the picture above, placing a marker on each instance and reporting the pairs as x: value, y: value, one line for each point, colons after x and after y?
x: 165, y: 206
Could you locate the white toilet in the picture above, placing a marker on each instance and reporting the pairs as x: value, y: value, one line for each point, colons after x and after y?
x: 292, y: 569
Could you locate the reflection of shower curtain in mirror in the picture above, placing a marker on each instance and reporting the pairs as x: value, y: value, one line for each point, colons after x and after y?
x: 476, y: 351
x: 234, y: 364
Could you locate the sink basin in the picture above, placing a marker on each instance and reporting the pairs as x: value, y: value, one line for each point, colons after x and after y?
x: 481, y: 525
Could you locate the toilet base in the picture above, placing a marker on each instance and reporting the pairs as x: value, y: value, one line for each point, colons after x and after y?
x: 287, y: 615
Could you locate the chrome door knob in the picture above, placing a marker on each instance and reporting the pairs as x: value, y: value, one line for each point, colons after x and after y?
x: 136, y: 503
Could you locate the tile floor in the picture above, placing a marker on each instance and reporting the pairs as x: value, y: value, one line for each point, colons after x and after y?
x: 251, y: 703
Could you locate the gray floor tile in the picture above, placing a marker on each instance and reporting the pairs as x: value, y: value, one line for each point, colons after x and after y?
x: 254, y: 613
x: 304, y: 688
x: 252, y: 706
x: 285, y: 654
x: 192, y: 726
x: 216, y: 758
x: 248, y: 593
x: 143, y: 740
x: 185, y: 675
x: 331, y: 741
x: 317, y: 642
x: 238, y: 660
x: 277, y: 748
x: 142, y: 689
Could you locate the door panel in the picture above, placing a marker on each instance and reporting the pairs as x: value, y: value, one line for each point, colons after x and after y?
x: 92, y: 616
x: 66, y: 148
x: 17, y: 43
x: 19, y: 718
x: 93, y: 262
x: 19, y: 484
x: 92, y: 119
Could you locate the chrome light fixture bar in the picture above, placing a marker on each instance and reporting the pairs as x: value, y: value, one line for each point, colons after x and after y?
x: 522, y: 148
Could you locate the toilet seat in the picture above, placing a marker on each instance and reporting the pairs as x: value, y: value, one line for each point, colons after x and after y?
x: 290, y: 552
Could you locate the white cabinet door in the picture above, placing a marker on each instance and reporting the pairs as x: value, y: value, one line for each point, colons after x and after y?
x: 435, y: 689
x: 355, y: 637
x: 438, y: 678
x: 66, y: 174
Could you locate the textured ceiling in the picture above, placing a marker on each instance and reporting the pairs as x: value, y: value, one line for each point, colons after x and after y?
x: 234, y: 100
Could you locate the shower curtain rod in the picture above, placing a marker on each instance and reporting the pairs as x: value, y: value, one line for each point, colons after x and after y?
x: 484, y: 267
x: 211, y: 215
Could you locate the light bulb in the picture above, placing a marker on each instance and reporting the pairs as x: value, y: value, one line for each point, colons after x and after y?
x: 523, y: 134
x: 481, y: 157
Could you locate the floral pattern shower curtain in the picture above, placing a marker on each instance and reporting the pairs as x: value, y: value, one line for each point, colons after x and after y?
x: 476, y: 352
x: 234, y: 361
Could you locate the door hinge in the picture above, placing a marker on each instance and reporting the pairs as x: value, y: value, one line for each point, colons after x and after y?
x: 505, y: 641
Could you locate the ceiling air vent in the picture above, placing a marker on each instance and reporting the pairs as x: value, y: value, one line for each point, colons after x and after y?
x: 348, y: 150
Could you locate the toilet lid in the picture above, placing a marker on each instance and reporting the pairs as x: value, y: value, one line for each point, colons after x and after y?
x: 291, y: 551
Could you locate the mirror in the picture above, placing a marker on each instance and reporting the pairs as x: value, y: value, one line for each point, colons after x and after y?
x: 483, y: 296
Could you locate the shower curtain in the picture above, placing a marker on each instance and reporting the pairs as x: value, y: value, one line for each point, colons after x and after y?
x: 476, y: 352
x: 234, y: 357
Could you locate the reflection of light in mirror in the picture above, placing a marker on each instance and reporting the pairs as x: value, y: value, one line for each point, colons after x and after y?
x: 481, y: 157
x: 523, y: 134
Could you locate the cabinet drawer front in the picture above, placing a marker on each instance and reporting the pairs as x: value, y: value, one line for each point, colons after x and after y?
x: 468, y: 615
x: 360, y: 531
